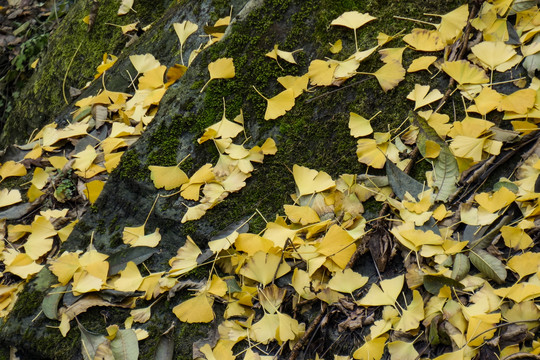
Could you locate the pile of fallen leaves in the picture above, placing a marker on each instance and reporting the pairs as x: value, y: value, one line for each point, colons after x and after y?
x: 470, y: 272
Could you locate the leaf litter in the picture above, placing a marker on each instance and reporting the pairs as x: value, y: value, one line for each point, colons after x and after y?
x: 470, y: 269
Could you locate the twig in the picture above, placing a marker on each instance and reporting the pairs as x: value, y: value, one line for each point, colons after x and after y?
x: 339, y: 89
x: 311, y: 329
x: 66, y: 74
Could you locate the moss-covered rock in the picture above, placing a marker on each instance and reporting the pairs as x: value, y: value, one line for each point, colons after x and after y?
x: 313, y: 134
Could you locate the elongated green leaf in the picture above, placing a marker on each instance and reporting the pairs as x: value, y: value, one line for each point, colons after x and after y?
x: 434, y: 283
x: 401, y: 182
x: 90, y: 342
x: 50, y: 302
x: 125, y: 345
x: 445, y: 167
x: 488, y: 265
x: 461, y: 266
x: 165, y: 348
x: 137, y: 254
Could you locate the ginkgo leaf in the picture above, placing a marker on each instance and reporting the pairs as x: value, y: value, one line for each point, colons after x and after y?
x: 352, y: 19
x: 11, y: 168
x: 279, y: 104
x: 336, y: 47
x: 481, y: 327
x: 23, y: 266
x: 198, y: 309
x: 93, y: 189
x: 432, y: 149
x: 518, y: 102
x: 464, y: 72
x: 285, y: 55
x: 493, y: 53
x: 264, y: 267
x: 425, y: 40
x: 359, y: 125
x: 422, y: 97
x: 220, y: 69
x: 167, y: 177
x: 321, y: 73
x: 347, y: 281
x: 468, y: 147
x: 372, y: 349
x: 421, y: 63
x: 389, y: 55
x: 65, y: 266
x: 144, y: 63
x: 310, y: 181
x: 516, y: 238
x: 9, y: 197
x: 303, y: 215
x: 297, y: 83
x: 402, y: 350
x: 183, y: 31
x: 384, y: 295
x: 453, y: 23
x: 496, y: 201
x: 411, y: 317
x: 190, y: 190
x: 390, y: 75
x: 371, y: 153
x: 85, y: 158
x: 185, y: 259
x: 524, y: 264
x: 130, y: 278
x: 125, y: 6
x: 337, y: 245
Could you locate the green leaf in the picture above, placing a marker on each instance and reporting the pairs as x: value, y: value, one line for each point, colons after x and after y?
x: 90, y: 342
x: 50, y: 302
x: 401, y: 182
x: 125, y: 345
x: 165, y: 348
x: 137, y: 254
x: 445, y: 167
x: 461, y: 266
x: 488, y: 265
x: 434, y: 283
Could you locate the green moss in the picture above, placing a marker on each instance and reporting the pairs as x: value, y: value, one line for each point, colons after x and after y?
x: 131, y: 167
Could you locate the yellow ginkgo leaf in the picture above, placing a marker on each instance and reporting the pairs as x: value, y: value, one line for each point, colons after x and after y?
x: 422, y: 97
x: 411, y: 317
x: 183, y: 31
x: 34, y: 193
x: 359, y: 125
x: 337, y: 245
x: 303, y: 215
x: 310, y: 181
x: 11, y: 168
x: 389, y: 55
x: 402, y: 350
x: 421, y: 63
x: 371, y: 153
x: 125, y: 6
x: 464, y: 72
x: 425, y: 40
x: 496, y: 201
x: 40, y: 178
x: 220, y: 69
x: 432, y: 149
x: 481, y: 327
x: 129, y: 27
x: 144, y: 63
x: 372, y: 349
x: 190, y: 189
x: 516, y: 238
x: 524, y: 264
x: 336, y: 47
x: 264, y: 267
x: 486, y: 101
x: 85, y: 158
x: 353, y: 20
x: 23, y: 266
x: 297, y: 83
x: 453, y: 23
x: 279, y: 104
x: 93, y: 189
x: 285, y: 55
x: 167, y: 177
x: 185, y: 259
x: 468, y: 147
x: 153, y: 79
x: 9, y: 197
x: 390, y: 75
x: 493, y: 53
x: 321, y: 73
x: 347, y: 281
x: 384, y: 295
x: 65, y: 266
x: 112, y: 161
x: 130, y: 278
x: 518, y: 102
x: 195, y: 310
x: 108, y: 61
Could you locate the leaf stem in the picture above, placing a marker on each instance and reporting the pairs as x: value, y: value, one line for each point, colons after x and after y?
x: 414, y: 20
x: 66, y: 74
